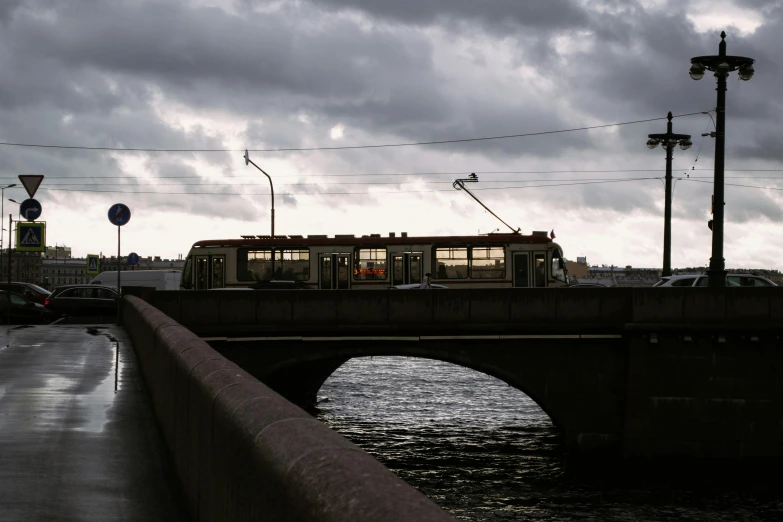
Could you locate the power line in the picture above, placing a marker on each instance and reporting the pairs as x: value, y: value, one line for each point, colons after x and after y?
x: 335, y: 193
x: 411, y: 174
x: 733, y: 184
x: 346, y: 147
x: 136, y: 184
x: 143, y: 182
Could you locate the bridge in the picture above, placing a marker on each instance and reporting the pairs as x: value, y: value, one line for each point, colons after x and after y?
x: 639, y: 373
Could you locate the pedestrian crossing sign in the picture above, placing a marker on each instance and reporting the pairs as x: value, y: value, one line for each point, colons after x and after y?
x: 31, y: 237
x: 93, y: 264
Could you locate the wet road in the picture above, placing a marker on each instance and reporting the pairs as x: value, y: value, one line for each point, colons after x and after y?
x: 485, y: 452
x: 77, y: 437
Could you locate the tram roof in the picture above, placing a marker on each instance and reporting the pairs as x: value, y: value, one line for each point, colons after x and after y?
x: 374, y: 240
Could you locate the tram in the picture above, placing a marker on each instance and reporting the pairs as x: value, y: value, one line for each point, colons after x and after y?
x: 346, y: 262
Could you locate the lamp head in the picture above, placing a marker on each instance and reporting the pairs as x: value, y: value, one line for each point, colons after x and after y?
x: 697, y: 71
x: 652, y: 143
x: 686, y: 144
x: 247, y: 157
x: 746, y: 71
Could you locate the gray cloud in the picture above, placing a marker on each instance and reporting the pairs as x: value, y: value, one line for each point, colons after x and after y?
x: 501, y: 14
x: 96, y: 73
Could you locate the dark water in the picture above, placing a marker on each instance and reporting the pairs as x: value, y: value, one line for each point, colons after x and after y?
x: 485, y: 452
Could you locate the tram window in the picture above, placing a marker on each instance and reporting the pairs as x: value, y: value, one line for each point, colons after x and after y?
x: 289, y: 264
x: 452, y: 262
x: 370, y: 264
x: 488, y: 262
x: 187, y: 274
x: 539, y: 270
x: 558, y: 267
x: 218, y: 272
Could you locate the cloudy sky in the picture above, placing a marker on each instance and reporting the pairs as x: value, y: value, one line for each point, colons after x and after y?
x: 215, y: 77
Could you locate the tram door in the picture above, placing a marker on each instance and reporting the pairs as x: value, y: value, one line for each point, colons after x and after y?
x: 407, y: 268
x: 210, y: 272
x: 334, y: 271
x: 521, y: 269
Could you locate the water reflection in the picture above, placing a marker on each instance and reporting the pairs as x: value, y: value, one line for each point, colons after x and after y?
x: 485, y: 452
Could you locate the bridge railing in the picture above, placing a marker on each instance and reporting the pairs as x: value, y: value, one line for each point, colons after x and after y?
x: 242, y: 452
x: 471, y: 310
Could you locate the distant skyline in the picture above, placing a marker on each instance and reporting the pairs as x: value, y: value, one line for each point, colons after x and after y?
x: 230, y: 75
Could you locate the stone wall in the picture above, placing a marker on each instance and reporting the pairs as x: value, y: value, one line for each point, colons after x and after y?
x: 242, y: 452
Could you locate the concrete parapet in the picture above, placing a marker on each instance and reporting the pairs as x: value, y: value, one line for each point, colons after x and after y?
x: 480, y: 311
x: 242, y: 452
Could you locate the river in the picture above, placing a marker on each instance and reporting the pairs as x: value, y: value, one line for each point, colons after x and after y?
x: 484, y: 451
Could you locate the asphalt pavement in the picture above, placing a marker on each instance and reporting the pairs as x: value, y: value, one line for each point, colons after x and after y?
x: 78, y: 440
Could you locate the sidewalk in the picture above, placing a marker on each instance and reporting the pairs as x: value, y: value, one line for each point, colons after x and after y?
x: 78, y: 439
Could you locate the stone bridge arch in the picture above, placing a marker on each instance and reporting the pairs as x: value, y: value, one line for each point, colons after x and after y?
x: 579, y: 383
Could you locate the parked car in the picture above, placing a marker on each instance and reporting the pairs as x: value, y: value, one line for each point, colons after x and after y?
x: 83, y: 300
x: 732, y: 280
x: 415, y: 286
x: 157, y: 279
x: 23, y: 310
x: 32, y: 292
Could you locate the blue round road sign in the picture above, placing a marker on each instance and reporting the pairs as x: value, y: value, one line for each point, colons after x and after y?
x: 30, y: 209
x: 119, y: 214
x: 133, y: 258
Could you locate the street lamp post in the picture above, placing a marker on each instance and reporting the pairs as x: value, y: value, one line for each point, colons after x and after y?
x: 272, y: 189
x: 2, y: 213
x: 669, y: 140
x: 721, y: 65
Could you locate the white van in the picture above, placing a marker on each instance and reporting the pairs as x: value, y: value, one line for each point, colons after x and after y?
x: 158, y: 279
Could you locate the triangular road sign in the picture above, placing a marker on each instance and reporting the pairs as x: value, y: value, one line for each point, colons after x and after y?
x: 31, y: 182
x: 31, y: 238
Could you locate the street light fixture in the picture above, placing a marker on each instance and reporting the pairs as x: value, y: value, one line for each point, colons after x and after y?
x: 668, y: 141
x: 721, y: 65
x: 19, y: 216
x: 272, y: 189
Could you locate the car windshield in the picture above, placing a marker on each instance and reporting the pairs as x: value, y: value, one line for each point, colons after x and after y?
x: 39, y: 289
x: 685, y: 281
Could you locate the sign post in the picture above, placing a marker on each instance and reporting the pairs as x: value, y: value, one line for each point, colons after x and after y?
x: 31, y: 183
x: 10, y: 226
x: 119, y: 215
x: 93, y: 264
x: 30, y: 237
x: 31, y: 209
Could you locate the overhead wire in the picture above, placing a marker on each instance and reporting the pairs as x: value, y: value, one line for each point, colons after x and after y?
x: 343, y: 147
x: 393, y: 174
x: 336, y: 193
x: 733, y: 184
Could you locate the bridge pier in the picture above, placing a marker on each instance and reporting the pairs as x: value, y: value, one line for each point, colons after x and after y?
x: 704, y: 394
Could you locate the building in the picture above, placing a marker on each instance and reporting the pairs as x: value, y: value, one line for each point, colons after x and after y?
x: 57, y: 252
x: 56, y: 272
x: 56, y: 267
x: 25, y: 266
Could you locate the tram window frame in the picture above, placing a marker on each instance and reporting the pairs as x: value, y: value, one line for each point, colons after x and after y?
x: 283, y: 257
x: 488, y: 268
x: 444, y: 273
x: 363, y: 256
